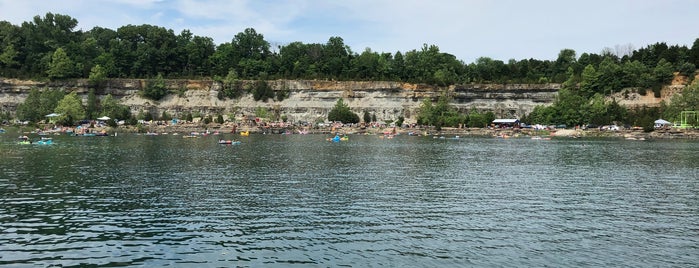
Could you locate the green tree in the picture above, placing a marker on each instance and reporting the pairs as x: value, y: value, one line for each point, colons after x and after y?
x: 91, y: 109
x: 663, y: 72
x: 232, y: 87
x: 341, y: 112
x: 61, y: 66
x: 49, y: 101
x: 70, y: 109
x: 8, y: 57
x: 588, y: 81
x: 155, y: 88
x: 609, y: 76
x: 30, y: 109
x: 98, y: 75
x: 426, y: 113
x: 688, y: 100
x: 112, y: 109
x: 262, y: 91
x: 366, y: 116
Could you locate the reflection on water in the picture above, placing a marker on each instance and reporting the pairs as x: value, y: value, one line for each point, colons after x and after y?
x: 297, y: 199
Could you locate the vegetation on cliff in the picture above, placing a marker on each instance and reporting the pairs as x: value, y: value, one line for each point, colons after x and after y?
x: 342, y: 113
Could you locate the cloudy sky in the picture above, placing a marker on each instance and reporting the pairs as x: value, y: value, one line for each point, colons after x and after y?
x: 468, y: 29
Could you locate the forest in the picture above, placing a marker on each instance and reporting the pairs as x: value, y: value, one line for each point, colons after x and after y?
x: 50, y: 47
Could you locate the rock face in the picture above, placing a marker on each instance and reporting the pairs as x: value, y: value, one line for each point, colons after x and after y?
x: 308, y: 100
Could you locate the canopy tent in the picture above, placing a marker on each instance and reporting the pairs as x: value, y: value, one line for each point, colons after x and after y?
x: 506, y: 121
x: 103, y: 118
x: 662, y: 122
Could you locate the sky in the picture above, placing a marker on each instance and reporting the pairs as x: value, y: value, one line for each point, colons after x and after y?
x: 467, y: 29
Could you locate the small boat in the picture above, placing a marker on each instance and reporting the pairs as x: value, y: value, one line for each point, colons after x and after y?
x: 336, y: 139
x: 245, y: 133
x: 228, y: 142
x: 24, y: 140
x: 45, y: 141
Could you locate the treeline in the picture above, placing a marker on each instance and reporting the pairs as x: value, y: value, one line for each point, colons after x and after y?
x: 50, y: 47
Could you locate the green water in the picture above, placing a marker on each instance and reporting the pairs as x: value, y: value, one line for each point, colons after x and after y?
x: 298, y: 200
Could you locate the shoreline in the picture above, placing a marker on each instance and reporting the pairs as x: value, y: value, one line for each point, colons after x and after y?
x: 461, y: 132
x: 229, y: 128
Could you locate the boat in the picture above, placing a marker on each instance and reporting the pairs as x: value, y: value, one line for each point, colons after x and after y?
x: 337, y: 138
x: 2, y: 130
x: 24, y: 140
x: 45, y: 141
x: 228, y: 142
x: 245, y: 133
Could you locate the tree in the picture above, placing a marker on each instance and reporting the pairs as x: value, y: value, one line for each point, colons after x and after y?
x: 60, y: 66
x: 425, y: 114
x: 29, y: 109
x: 155, y: 88
x: 688, y: 100
x: 111, y: 108
x: 97, y: 75
x: 588, y: 81
x: 262, y: 91
x: 70, y: 109
x: 232, y: 87
x: 663, y: 72
x: 341, y: 112
x: 91, y: 109
x: 366, y: 116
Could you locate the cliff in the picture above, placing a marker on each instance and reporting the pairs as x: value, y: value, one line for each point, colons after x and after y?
x: 308, y: 99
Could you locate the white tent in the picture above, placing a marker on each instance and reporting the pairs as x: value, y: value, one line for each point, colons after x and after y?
x: 103, y: 118
x: 660, y: 123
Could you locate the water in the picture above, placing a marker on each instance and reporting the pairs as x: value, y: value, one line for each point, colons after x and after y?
x: 297, y: 200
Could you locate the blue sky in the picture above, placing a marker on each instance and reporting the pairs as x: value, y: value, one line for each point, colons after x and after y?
x: 468, y: 29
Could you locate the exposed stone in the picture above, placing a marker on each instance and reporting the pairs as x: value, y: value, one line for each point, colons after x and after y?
x: 308, y: 100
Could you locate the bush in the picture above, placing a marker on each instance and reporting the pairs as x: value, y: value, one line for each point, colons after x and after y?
x: 155, y: 88
x: 262, y: 91
x: 341, y: 112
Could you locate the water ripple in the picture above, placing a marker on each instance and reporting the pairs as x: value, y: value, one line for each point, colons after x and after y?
x: 300, y: 201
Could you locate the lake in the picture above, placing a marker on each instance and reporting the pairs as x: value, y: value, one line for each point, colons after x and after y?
x: 299, y: 200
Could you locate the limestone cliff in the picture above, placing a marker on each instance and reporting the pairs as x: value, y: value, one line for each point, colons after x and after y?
x: 308, y: 99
